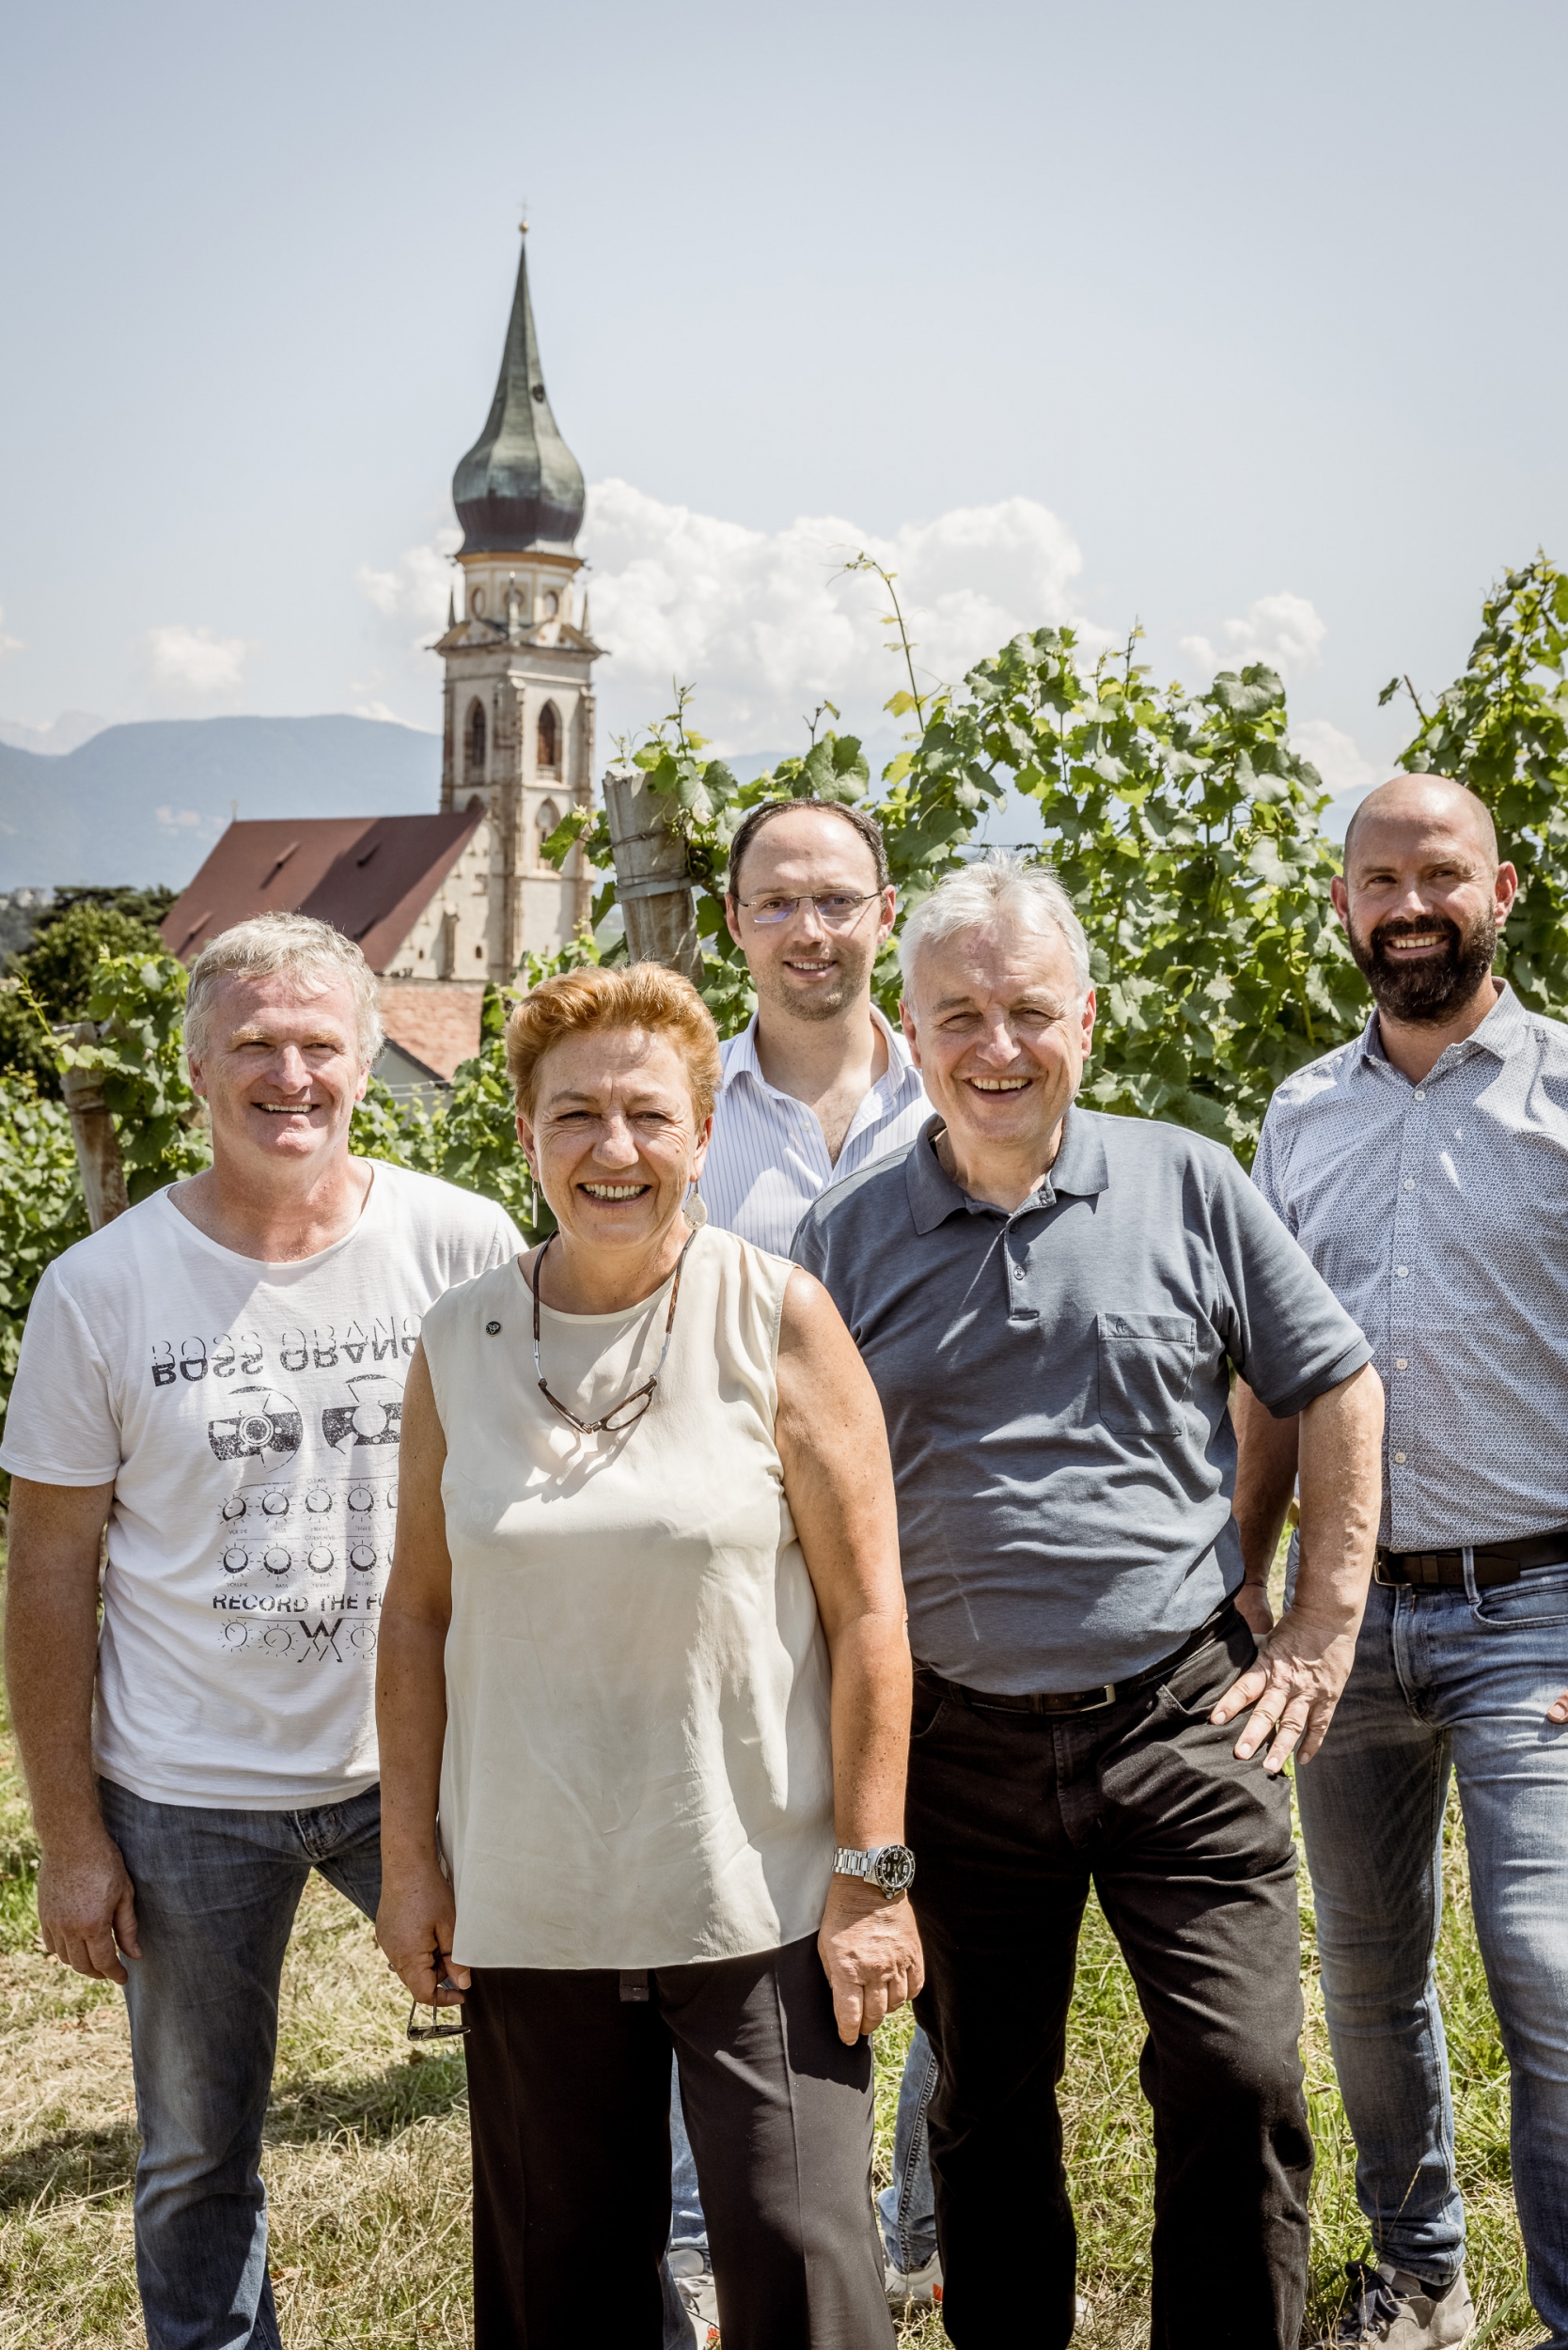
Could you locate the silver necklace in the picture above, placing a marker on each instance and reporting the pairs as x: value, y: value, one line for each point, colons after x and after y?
x: 640, y: 1398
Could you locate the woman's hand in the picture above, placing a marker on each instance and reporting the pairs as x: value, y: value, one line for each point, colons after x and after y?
x: 870, y: 1953
x: 838, y: 1481
x: 415, y: 1926
x: 419, y: 1913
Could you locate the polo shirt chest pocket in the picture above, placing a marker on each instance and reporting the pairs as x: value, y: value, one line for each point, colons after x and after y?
x: 1146, y: 1366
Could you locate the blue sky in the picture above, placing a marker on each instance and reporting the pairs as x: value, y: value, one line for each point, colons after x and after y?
x: 1244, y: 319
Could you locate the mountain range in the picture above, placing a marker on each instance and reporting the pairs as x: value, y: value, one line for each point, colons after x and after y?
x: 144, y: 803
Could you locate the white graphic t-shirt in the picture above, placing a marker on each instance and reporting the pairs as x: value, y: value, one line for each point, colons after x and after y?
x: 248, y: 1416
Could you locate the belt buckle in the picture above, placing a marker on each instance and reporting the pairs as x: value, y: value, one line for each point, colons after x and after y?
x: 1101, y: 1702
x: 1389, y: 1583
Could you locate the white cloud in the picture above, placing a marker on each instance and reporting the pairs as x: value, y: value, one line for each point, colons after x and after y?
x: 187, y: 823
x: 413, y: 593
x: 1337, y: 757
x: 67, y: 732
x: 764, y: 623
x: 193, y: 665
x: 1284, y: 631
x: 7, y: 644
x: 1345, y: 771
x: 385, y: 715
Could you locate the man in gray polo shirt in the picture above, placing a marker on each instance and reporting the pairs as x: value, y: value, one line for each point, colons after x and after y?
x: 1424, y: 1170
x: 1050, y: 1302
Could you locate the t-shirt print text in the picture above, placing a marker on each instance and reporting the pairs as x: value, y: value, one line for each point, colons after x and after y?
x: 306, y: 1532
x: 220, y: 1358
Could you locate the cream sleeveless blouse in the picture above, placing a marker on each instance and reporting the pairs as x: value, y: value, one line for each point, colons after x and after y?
x: 637, y: 1769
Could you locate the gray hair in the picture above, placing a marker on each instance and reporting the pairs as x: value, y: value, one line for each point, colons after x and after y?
x: 1005, y: 888
x: 272, y: 945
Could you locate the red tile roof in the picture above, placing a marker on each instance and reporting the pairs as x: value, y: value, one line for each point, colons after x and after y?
x: 435, y: 1020
x: 370, y: 877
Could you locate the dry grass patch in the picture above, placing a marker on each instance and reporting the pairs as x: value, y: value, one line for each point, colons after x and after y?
x: 366, y: 2157
x: 368, y: 2154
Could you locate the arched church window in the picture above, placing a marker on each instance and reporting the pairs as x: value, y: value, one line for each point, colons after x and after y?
x: 476, y: 742
x: 549, y: 738
x: 549, y: 821
x: 552, y: 604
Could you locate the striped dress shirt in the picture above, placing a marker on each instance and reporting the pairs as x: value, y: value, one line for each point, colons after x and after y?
x: 768, y: 1163
x: 1438, y: 1214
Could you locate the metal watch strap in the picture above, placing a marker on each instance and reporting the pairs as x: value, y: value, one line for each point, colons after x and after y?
x: 864, y: 1865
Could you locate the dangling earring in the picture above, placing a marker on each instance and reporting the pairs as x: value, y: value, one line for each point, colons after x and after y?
x: 695, y: 1207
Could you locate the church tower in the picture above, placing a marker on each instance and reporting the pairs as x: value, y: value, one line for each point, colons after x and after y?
x: 519, y: 658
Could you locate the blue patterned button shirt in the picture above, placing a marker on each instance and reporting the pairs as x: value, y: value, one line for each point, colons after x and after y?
x: 1439, y: 1214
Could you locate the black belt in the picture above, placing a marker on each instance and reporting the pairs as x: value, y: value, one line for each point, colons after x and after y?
x: 1088, y: 1700
x: 1497, y: 1562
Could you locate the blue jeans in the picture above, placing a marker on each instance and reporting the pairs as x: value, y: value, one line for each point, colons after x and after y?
x: 216, y: 1893
x: 1449, y: 1681
x: 907, y: 2209
x: 688, y: 2254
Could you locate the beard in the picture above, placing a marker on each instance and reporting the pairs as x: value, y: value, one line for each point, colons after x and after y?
x: 1429, y: 990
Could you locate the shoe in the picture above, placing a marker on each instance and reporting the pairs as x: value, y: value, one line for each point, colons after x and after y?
x: 920, y: 2286
x: 1398, y: 2311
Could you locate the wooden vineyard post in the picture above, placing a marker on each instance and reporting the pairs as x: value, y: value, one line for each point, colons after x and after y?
x: 651, y: 884
x: 92, y: 1130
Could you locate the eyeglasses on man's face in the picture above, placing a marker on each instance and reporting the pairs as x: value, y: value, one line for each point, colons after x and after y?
x: 837, y: 909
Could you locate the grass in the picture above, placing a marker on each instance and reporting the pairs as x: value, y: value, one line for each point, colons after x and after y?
x: 366, y: 2156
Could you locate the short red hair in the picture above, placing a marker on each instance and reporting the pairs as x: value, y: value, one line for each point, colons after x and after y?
x: 636, y: 995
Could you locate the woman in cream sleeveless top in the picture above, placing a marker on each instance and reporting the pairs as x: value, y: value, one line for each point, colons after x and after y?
x: 638, y: 1604
x: 643, y: 1695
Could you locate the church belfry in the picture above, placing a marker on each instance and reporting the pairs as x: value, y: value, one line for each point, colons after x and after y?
x: 518, y: 737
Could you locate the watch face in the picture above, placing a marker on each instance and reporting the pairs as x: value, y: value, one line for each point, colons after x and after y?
x: 893, y: 1869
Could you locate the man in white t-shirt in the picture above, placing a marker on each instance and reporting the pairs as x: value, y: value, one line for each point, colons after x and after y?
x: 217, y: 1378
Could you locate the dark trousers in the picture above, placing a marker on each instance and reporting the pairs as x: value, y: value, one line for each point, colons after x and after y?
x: 569, y: 2099
x: 1013, y: 1816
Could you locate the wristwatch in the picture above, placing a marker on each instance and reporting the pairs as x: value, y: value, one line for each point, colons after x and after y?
x: 889, y: 1867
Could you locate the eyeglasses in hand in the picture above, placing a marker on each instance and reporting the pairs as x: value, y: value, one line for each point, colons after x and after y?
x: 432, y: 2030
x: 837, y: 909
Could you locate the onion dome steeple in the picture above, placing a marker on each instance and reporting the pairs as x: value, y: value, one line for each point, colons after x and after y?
x: 519, y: 486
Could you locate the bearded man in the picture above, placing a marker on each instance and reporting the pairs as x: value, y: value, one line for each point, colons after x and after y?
x: 1424, y: 1170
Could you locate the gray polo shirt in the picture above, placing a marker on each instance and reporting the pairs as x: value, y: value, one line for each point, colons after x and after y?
x: 1056, y: 1385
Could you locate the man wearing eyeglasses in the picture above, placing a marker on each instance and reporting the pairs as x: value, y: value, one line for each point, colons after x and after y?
x: 817, y: 1083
